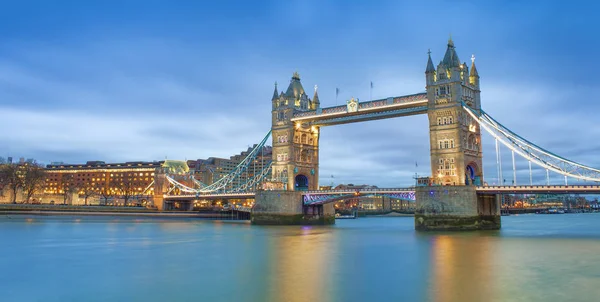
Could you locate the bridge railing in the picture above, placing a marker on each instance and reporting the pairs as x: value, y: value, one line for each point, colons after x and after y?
x: 351, y: 191
x: 540, y: 187
x: 365, y: 105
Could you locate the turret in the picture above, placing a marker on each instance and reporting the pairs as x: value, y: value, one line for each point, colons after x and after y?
x: 473, y: 75
x: 429, y: 71
x: 315, y: 101
x: 275, y: 94
x: 275, y: 98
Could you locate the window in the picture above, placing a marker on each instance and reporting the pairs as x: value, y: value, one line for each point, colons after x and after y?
x: 439, y: 121
x: 444, y: 121
x: 450, y: 120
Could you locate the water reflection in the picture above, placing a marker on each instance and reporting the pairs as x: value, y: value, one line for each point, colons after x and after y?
x: 302, y: 265
x: 461, y: 268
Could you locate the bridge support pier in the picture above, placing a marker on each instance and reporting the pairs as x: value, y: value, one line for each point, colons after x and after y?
x: 287, y: 208
x: 455, y: 208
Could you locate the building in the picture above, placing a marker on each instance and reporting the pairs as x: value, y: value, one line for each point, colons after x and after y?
x: 212, y: 169
x: 295, y: 149
x: 128, y: 183
x: 455, y: 138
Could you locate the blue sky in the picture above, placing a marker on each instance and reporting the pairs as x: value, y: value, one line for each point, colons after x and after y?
x: 141, y: 80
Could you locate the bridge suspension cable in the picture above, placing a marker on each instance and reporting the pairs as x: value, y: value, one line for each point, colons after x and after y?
x: 530, y: 151
x: 227, y: 180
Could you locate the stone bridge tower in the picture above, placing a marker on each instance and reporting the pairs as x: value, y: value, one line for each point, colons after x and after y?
x: 295, y: 146
x: 455, y: 138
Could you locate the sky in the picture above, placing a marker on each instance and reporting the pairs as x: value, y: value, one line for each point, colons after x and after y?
x: 148, y: 80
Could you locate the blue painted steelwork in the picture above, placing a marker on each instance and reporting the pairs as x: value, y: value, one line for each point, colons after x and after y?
x: 370, y: 116
x: 220, y: 184
x: 316, y: 197
x: 531, y: 151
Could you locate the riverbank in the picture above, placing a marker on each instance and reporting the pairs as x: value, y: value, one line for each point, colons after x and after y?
x: 66, y: 210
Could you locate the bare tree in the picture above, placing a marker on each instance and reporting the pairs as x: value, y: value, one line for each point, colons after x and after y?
x: 67, y: 186
x: 34, y: 177
x: 106, y: 193
x: 126, y: 187
x: 10, y: 176
x: 87, y: 190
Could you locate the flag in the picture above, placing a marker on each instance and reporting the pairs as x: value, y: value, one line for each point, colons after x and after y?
x: 416, y: 165
x: 337, y: 91
x: 371, y: 84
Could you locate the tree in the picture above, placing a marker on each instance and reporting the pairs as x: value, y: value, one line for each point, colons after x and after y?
x: 10, y: 176
x: 106, y: 193
x: 67, y: 186
x: 126, y: 188
x: 87, y: 190
x: 34, y: 177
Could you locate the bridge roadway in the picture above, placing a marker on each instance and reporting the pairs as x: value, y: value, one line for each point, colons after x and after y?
x: 365, y: 111
x: 574, y: 189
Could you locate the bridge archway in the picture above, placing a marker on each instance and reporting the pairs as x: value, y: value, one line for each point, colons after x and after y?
x: 472, y: 174
x: 301, y: 182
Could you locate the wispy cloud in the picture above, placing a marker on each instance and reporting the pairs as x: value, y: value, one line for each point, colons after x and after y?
x: 106, y: 86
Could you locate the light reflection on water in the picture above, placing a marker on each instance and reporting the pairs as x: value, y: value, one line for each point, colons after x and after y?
x: 533, y: 258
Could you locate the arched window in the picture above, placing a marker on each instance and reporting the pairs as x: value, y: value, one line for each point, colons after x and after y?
x: 439, y: 120
x: 441, y: 147
x: 446, y: 144
x: 304, y: 138
x: 443, y: 121
x: 450, y: 120
x: 452, y: 143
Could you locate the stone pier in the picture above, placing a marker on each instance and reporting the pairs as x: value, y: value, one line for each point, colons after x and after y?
x: 455, y: 208
x: 286, y: 208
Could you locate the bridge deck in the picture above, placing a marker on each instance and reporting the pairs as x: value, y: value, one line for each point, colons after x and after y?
x: 576, y: 189
x: 540, y: 189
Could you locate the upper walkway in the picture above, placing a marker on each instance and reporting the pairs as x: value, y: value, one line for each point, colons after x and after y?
x: 365, y: 111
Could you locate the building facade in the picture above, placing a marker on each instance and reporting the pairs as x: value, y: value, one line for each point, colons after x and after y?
x: 455, y: 138
x: 104, y: 183
x: 295, y: 146
x: 212, y: 169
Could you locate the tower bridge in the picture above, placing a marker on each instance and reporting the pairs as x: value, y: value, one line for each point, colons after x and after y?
x: 457, y: 198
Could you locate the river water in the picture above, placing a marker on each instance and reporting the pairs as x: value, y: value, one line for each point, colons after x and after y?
x: 533, y: 258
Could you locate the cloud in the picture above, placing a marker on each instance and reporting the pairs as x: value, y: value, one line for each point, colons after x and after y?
x: 200, y: 85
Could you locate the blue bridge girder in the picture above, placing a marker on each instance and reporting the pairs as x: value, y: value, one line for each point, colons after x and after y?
x: 328, y: 196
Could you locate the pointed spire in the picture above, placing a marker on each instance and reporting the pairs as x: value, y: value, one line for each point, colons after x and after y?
x: 430, y: 67
x: 275, y: 94
x: 316, y: 97
x: 473, y: 72
x: 451, y: 58
x: 295, y: 90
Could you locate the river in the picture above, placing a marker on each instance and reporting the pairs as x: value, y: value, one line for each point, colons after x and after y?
x: 533, y: 258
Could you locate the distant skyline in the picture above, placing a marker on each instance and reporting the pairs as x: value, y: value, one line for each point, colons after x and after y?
x: 144, y: 80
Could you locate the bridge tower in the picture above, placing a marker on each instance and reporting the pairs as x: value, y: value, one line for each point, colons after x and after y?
x: 295, y: 146
x: 455, y: 139
x: 456, y: 153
